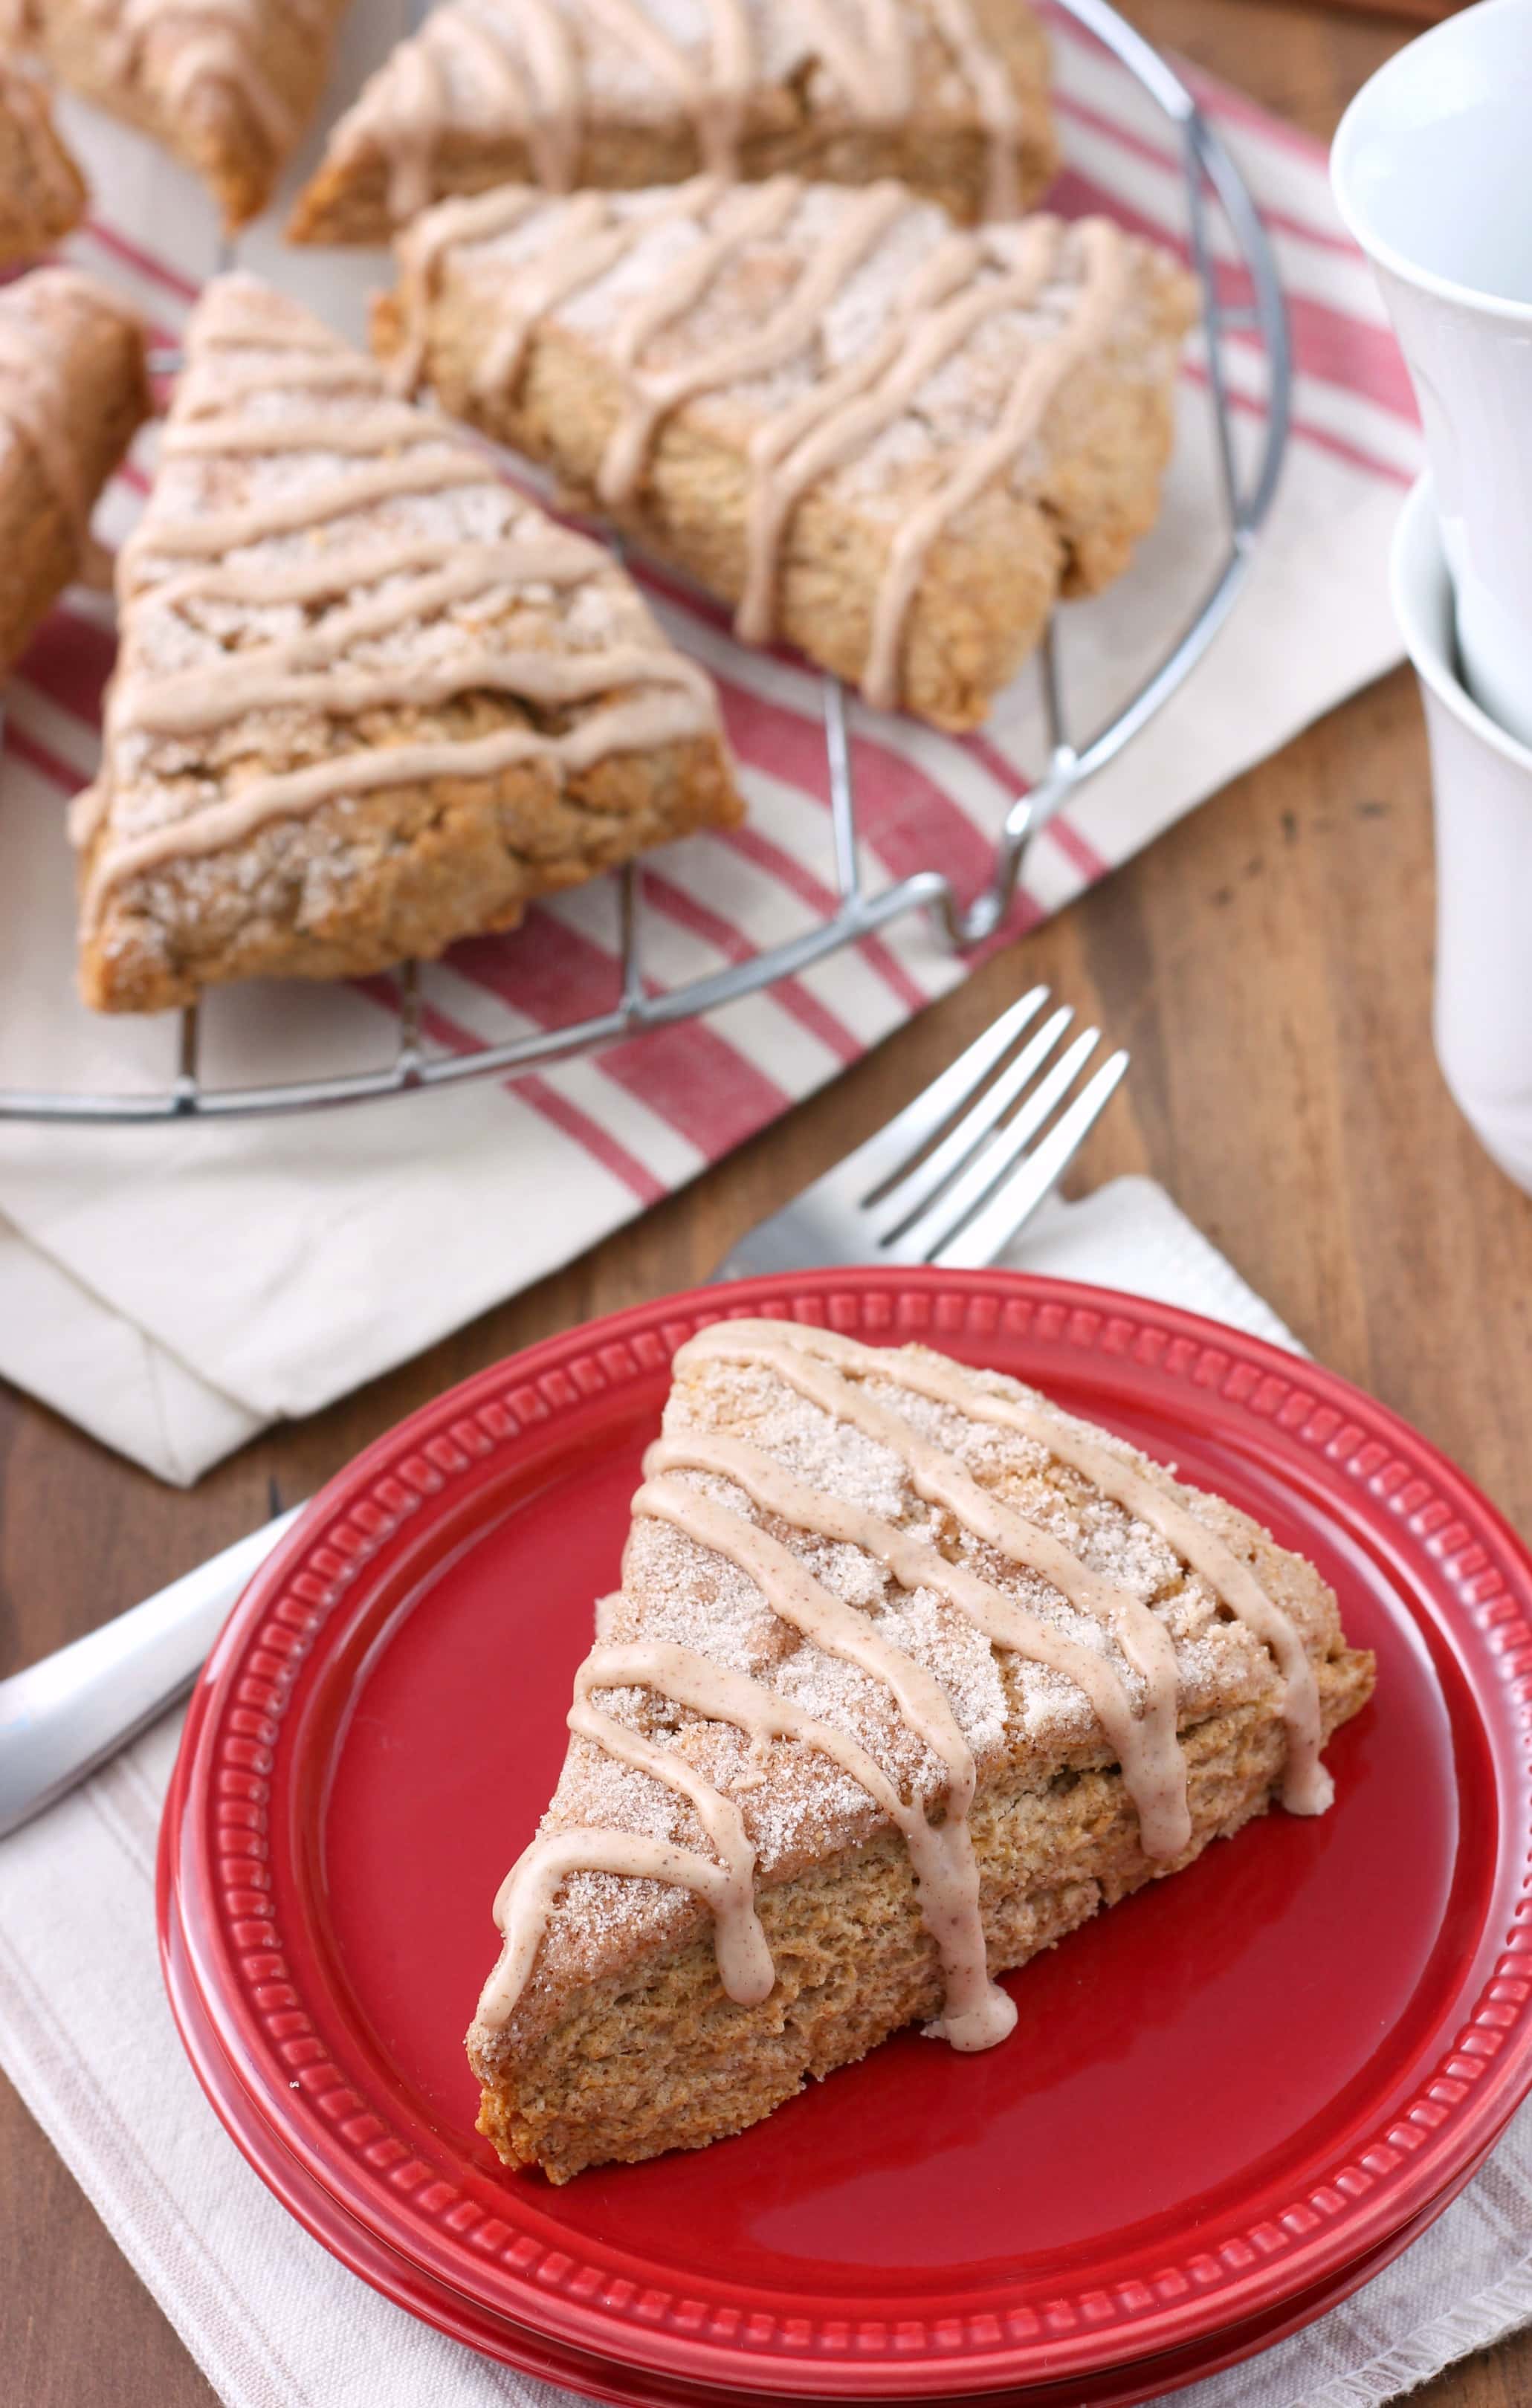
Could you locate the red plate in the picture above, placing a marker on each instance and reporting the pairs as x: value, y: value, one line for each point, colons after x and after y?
x: 1228, y: 2099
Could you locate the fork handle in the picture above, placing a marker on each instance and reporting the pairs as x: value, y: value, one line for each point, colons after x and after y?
x: 62, y: 1718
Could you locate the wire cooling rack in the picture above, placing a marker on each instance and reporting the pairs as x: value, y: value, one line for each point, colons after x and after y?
x: 1214, y: 185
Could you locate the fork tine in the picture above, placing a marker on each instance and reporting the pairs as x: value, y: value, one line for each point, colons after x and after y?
x: 883, y: 1154
x: 922, y: 1240
x: 893, y: 1211
x: 992, y: 1228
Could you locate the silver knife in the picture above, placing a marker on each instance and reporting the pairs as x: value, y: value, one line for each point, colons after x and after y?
x: 63, y: 1717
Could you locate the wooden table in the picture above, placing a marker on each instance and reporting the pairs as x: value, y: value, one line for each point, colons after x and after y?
x: 1269, y: 963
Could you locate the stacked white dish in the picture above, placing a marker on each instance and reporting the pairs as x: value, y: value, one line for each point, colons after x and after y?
x: 1433, y: 176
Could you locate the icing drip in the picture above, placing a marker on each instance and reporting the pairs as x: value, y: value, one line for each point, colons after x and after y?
x: 649, y: 400
x: 384, y: 591
x: 533, y: 1883
x: 977, y: 2014
x: 1307, y: 1786
x: 940, y: 1479
x: 519, y: 70
x: 623, y: 727
x: 959, y: 288
x: 1099, y: 298
x: 812, y: 1362
x: 1153, y: 1770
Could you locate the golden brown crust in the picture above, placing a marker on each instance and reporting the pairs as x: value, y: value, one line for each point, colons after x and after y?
x: 793, y: 125
x: 989, y: 581
x: 388, y: 877
x: 233, y: 114
x: 42, y: 191
x: 657, y: 2058
x: 99, y: 375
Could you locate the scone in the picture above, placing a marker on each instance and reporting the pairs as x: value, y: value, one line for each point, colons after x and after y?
x: 910, y: 1673
x: 369, y: 698
x: 228, y: 87
x: 42, y: 191
x: 950, y: 94
x: 892, y: 443
x: 74, y: 389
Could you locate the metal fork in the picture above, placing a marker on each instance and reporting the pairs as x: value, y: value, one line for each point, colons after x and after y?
x: 953, y: 1177
x: 951, y: 1180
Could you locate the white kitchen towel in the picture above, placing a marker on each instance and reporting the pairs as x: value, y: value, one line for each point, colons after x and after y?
x: 86, y: 2036
x: 175, y: 1289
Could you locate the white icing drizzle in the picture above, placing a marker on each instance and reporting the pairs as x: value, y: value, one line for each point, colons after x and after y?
x: 1307, y: 1786
x: 525, y: 63
x: 1154, y: 1767
x: 957, y: 290
x: 812, y: 1361
x: 649, y: 400
x: 529, y: 1889
x: 384, y: 584
x: 623, y: 727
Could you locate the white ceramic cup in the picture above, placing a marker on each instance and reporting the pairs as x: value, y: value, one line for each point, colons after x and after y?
x: 1482, y: 783
x: 1432, y: 169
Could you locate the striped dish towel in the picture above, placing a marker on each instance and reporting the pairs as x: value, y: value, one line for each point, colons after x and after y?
x: 176, y: 1289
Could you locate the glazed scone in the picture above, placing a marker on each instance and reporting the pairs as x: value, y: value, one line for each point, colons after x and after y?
x: 909, y: 1674
x: 950, y: 94
x: 42, y: 191
x: 74, y: 389
x: 888, y: 442
x: 228, y: 87
x: 369, y: 698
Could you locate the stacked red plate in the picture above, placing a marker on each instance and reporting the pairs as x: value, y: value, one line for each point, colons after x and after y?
x: 1227, y: 2102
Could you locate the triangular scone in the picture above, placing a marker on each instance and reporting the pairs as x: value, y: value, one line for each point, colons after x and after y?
x: 369, y: 698
x: 908, y: 1674
x: 950, y: 94
x: 228, y: 87
x: 74, y: 389
x: 42, y: 191
x: 890, y: 443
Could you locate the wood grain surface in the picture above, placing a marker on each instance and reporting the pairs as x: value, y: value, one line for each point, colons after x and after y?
x: 1268, y: 962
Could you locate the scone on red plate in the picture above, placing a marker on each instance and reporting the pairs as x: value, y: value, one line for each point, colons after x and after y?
x: 890, y: 442
x: 369, y: 698
x: 910, y: 1673
x: 42, y: 191
x: 74, y: 389
x: 229, y: 87
x: 950, y: 94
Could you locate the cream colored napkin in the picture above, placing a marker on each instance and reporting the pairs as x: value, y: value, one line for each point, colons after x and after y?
x: 174, y: 1290
x: 273, y: 2322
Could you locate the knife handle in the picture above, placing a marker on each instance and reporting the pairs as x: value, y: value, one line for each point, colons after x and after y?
x: 62, y: 1718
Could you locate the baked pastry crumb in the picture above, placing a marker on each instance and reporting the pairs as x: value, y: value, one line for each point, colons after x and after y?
x: 891, y: 443
x: 950, y: 94
x: 42, y: 191
x: 368, y: 697
x: 228, y: 89
x: 909, y: 1674
x: 74, y: 389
